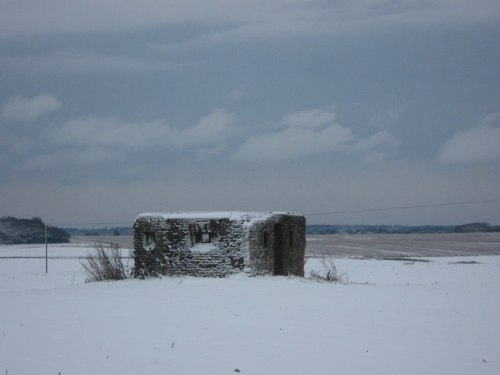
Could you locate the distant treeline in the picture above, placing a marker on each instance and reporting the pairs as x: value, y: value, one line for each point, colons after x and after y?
x: 113, y: 231
x: 401, y: 229
x: 19, y: 231
x: 326, y: 229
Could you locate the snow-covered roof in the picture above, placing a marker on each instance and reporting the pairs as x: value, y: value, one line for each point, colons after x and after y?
x: 232, y: 215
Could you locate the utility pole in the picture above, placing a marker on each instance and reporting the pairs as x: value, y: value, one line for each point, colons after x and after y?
x: 46, y: 252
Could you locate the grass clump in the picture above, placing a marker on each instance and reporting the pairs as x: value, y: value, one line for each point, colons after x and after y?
x: 329, y: 272
x: 105, y: 264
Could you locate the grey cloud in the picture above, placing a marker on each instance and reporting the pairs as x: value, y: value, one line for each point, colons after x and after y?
x: 288, y: 18
x: 478, y: 144
x: 90, y: 156
x: 67, y: 62
x: 207, y: 151
x: 255, y: 18
x: 236, y: 94
x: 226, y: 83
x: 377, y: 156
x: 111, y: 132
x: 20, y: 108
x: 95, y: 141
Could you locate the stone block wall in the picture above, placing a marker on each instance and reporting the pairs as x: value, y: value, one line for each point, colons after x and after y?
x: 263, y: 242
x: 179, y: 250
x: 178, y: 246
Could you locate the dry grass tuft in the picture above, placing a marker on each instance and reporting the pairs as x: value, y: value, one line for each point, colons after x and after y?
x: 329, y: 273
x: 105, y: 264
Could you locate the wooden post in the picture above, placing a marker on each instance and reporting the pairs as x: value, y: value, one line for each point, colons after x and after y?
x: 46, y: 252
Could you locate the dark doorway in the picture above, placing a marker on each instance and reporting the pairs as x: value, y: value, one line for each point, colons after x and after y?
x: 278, y: 249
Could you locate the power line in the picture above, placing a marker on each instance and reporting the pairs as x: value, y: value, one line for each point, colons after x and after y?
x: 342, y: 212
x: 402, y: 207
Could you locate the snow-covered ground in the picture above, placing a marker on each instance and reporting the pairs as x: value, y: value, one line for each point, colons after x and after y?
x: 395, y: 317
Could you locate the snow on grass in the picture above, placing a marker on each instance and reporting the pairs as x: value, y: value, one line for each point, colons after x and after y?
x: 395, y: 317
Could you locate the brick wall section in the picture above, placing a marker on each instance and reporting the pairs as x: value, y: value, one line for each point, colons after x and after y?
x: 237, y: 245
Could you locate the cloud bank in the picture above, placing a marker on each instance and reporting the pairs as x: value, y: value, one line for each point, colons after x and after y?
x: 249, y: 18
x: 97, y: 140
x: 95, y: 131
x: 308, y: 133
x: 478, y: 144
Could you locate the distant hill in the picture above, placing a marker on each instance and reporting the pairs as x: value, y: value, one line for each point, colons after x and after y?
x: 476, y: 227
x: 18, y: 231
x: 401, y: 229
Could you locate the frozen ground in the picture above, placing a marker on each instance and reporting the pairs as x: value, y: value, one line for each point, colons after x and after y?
x: 400, y: 245
x: 374, y: 245
x: 396, y: 317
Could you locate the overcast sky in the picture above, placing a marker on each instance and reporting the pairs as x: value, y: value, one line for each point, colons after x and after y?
x: 111, y: 108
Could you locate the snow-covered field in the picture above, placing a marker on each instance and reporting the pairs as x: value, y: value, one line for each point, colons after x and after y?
x: 395, y: 317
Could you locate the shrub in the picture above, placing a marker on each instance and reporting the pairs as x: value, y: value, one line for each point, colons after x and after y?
x: 329, y: 272
x: 105, y: 264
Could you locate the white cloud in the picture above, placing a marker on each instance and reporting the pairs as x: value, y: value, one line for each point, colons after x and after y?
x: 293, y: 143
x: 383, y: 139
x: 95, y: 140
x: 313, y: 132
x: 305, y: 133
x: 25, y: 109
x: 478, y: 144
x: 109, y: 132
x: 315, y: 118
x: 213, y: 128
